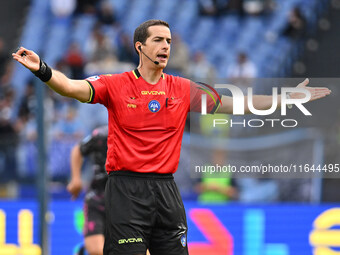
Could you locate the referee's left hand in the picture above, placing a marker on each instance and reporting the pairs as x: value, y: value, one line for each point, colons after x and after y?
x: 316, y: 92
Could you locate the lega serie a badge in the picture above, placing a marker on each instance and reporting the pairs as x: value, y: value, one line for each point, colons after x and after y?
x: 154, y: 106
x: 93, y: 78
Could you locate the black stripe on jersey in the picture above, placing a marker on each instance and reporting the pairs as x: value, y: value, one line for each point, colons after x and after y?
x: 137, y: 73
x: 92, y: 92
x: 214, y: 109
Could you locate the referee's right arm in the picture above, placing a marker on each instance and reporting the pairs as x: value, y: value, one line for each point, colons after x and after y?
x: 78, y: 89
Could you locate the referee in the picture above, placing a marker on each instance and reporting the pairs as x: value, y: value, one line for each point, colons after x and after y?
x: 147, y: 111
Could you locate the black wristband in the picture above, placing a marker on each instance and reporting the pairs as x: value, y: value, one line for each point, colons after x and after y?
x: 44, y: 73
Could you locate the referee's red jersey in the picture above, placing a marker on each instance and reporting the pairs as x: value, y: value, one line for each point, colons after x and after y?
x: 146, y: 121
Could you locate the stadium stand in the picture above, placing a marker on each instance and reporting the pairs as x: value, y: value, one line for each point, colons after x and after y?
x: 219, y: 37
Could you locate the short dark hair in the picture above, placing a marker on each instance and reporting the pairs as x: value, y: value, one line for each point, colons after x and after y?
x: 142, y: 32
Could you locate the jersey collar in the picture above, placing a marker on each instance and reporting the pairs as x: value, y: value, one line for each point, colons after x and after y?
x: 136, y: 73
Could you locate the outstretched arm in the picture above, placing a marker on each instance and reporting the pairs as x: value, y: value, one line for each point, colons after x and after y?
x: 78, y: 89
x: 262, y: 102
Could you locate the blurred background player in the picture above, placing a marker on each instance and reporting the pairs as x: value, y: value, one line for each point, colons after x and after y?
x: 94, y: 146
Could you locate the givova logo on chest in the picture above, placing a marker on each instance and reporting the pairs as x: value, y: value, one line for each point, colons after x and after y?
x: 153, y: 93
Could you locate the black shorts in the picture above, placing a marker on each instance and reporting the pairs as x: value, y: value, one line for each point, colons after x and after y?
x: 94, y: 213
x: 144, y: 211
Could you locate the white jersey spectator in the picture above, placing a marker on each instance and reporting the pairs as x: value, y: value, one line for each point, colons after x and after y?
x: 63, y: 8
x: 242, y: 72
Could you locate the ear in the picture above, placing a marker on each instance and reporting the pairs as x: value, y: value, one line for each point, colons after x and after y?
x: 138, y: 46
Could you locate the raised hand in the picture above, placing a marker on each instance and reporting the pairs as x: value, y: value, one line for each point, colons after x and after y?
x: 27, y: 58
x: 316, y: 92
